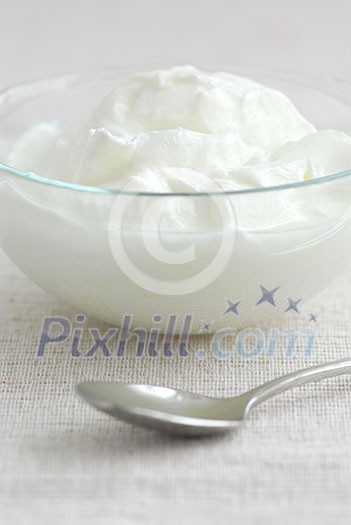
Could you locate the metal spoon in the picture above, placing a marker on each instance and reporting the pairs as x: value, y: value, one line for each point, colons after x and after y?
x: 186, y: 413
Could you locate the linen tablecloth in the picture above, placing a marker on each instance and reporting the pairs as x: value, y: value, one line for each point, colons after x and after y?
x: 64, y: 462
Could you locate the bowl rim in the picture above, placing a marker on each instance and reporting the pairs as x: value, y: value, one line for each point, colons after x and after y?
x: 55, y: 183
x: 73, y: 77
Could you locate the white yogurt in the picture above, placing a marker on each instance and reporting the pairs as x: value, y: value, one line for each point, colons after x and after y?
x: 182, y: 130
x: 160, y: 129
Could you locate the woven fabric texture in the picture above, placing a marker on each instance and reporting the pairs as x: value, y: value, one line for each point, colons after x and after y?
x: 64, y: 462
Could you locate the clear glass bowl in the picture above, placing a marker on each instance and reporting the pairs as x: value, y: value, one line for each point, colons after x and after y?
x: 262, y: 252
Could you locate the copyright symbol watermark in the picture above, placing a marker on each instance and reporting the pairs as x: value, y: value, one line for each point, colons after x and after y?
x: 173, y: 244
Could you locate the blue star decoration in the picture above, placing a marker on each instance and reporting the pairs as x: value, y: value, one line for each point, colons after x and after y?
x: 206, y: 326
x: 313, y: 317
x: 232, y: 307
x: 293, y: 305
x: 267, y: 296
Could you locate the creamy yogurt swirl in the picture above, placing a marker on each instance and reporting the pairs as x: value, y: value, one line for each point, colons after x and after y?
x: 169, y: 130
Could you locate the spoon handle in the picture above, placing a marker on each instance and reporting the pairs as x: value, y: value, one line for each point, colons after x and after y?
x: 314, y: 373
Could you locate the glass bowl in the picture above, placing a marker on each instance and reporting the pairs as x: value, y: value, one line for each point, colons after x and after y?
x: 110, y: 254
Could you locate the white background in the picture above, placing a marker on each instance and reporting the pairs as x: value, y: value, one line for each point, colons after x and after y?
x: 46, y: 37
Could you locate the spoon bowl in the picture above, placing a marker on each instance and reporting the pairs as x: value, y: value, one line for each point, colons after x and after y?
x: 164, y: 408
x: 183, y: 412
